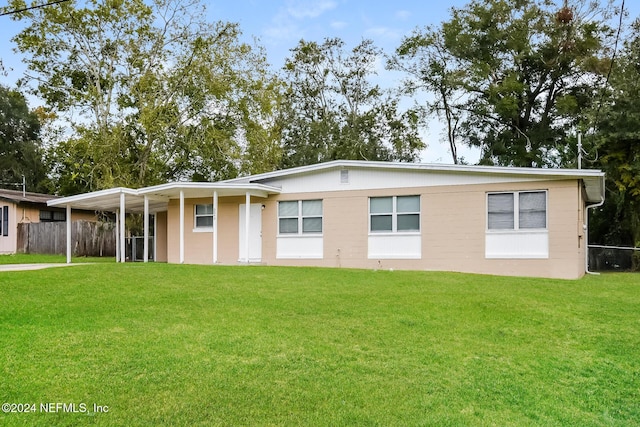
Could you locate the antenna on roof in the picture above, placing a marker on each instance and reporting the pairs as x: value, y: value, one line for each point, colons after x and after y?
x: 579, y: 150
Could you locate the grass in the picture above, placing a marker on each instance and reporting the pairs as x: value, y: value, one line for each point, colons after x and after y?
x: 195, y: 345
x: 46, y: 259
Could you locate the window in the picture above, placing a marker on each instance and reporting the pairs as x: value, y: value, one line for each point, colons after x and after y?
x: 203, y: 216
x: 531, y: 207
x: 344, y: 176
x: 53, y: 216
x: 300, y: 217
x: 5, y: 221
x: 394, y: 214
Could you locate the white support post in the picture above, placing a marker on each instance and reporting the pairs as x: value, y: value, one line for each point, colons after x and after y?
x: 247, y: 223
x: 68, y: 234
x: 181, y: 226
x: 215, y: 227
x: 155, y: 237
x: 123, y: 251
x: 145, y: 256
x: 117, y: 235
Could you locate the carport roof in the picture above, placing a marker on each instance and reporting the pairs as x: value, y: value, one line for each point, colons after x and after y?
x: 158, y: 195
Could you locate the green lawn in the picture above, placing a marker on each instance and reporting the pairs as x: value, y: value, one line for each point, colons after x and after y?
x: 188, y: 345
x: 40, y: 258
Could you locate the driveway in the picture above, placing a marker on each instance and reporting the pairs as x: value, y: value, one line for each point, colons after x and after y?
x: 21, y: 267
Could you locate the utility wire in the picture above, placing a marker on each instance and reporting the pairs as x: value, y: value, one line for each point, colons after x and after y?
x: 32, y: 7
x: 613, y: 58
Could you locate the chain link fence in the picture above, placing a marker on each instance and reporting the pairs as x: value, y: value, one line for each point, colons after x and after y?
x: 613, y: 258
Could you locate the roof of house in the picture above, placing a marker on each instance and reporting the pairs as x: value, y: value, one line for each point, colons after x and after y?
x: 593, y: 179
x: 158, y: 196
x: 259, y: 185
x: 17, y: 196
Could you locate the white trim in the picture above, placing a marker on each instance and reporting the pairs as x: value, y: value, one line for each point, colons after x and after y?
x: 155, y: 237
x: 123, y: 251
x: 346, y: 164
x: 117, y: 235
x: 203, y: 230
x: 247, y: 223
x: 181, y: 226
x: 145, y: 233
x: 215, y: 227
x: 68, y: 207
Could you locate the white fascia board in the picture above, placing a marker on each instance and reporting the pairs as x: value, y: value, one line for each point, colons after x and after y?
x: 92, y: 195
x: 498, y: 170
x: 170, y: 189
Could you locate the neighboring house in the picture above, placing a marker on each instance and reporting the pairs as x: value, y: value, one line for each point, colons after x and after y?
x: 375, y: 215
x: 18, y: 207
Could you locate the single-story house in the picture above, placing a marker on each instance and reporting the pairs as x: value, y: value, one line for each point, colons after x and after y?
x: 376, y: 215
x: 17, y: 207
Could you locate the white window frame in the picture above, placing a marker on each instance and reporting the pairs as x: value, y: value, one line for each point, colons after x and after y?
x: 202, y: 229
x: 516, y: 208
x: 394, y: 216
x: 300, y: 217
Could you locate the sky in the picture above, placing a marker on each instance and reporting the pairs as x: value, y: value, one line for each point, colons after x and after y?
x: 280, y: 24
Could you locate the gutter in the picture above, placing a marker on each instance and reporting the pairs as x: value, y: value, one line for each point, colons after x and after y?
x: 586, y: 230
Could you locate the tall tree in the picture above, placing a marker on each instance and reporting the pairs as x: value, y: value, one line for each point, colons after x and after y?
x: 20, y: 149
x: 331, y: 109
x: 617, y: 138
x: 511, y: 77
x: 151, y: 91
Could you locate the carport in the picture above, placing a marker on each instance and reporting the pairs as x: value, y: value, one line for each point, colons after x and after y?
x: 151, y: 200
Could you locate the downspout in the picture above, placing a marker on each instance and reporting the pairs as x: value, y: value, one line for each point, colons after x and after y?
x: 586, y: 230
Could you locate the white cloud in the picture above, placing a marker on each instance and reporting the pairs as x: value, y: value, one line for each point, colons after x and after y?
x: 299, y: 11
x: 383, y: 32
x: 403, y: 15
x: 338, y: 25
x: 287, y: 23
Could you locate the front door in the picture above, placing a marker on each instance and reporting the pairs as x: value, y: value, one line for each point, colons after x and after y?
x: 255, y: 233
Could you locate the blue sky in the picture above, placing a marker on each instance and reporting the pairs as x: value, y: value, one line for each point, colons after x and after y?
x: 280, y: 24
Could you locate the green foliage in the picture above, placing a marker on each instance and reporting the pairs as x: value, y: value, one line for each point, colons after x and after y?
x: 202, y: 345
x: 618, y: 146
x: 151, y: 90
x: 511, y: 78
x: 332, y: 111
x: 20, y: 145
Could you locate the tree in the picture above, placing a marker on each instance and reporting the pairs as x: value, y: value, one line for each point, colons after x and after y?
x: 20, y: 150
x: 151, y: 91
x: 617, y: 140
x: 429, y: 66
x: 511, y: 78
x: 332, y: 111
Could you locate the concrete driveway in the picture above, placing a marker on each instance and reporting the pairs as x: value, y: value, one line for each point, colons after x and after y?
x: 22, y: 267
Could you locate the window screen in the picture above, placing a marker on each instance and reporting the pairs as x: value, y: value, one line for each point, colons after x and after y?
x: 500, y: 211
x: 533, y: 209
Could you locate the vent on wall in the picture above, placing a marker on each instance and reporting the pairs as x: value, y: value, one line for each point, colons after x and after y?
x: 344, y: 176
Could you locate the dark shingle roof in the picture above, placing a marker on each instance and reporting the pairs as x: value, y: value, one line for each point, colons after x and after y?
x: 16, y: 196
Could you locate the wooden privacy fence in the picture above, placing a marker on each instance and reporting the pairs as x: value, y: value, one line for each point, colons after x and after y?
x: 88, y: 238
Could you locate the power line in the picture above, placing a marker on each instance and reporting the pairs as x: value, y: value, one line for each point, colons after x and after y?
x: 32, y: 7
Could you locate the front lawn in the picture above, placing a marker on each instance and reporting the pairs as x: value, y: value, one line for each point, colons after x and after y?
x: 46, y: 259
x: 160, y: 344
